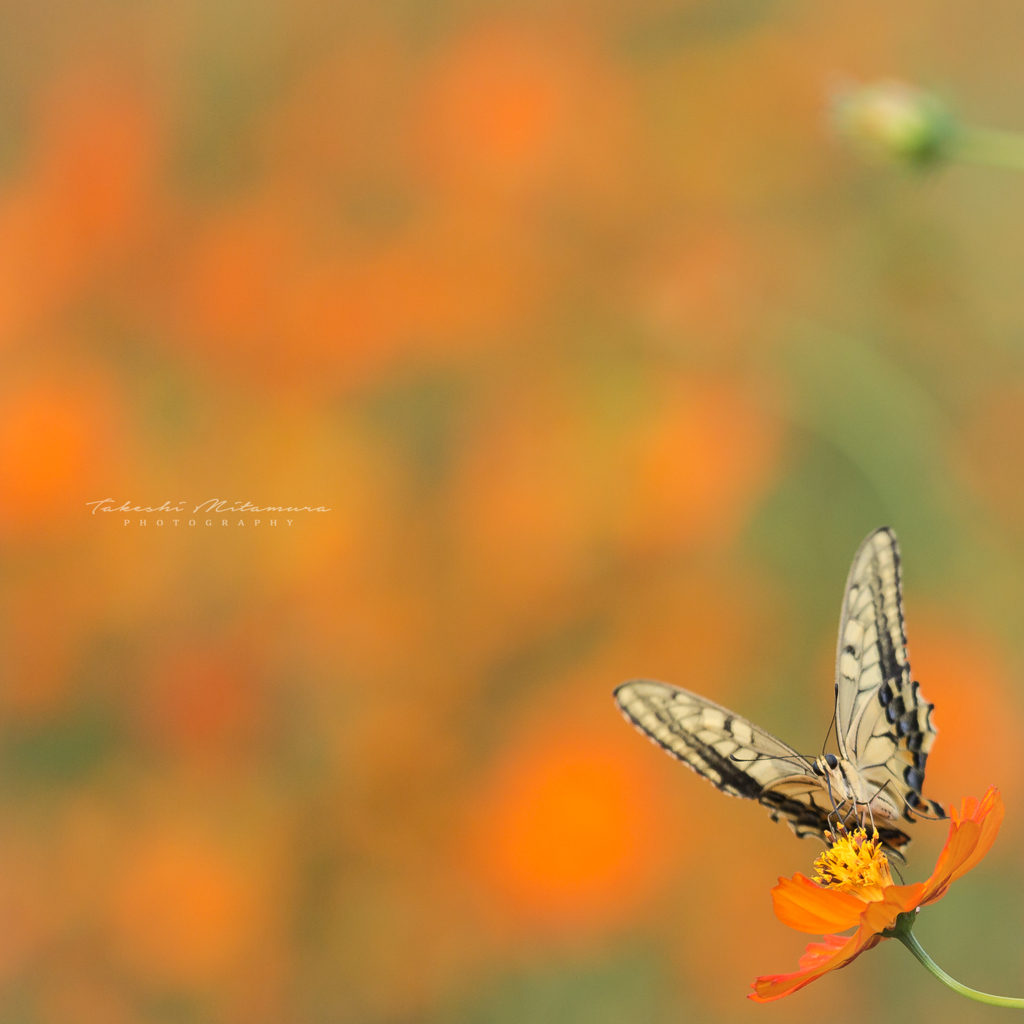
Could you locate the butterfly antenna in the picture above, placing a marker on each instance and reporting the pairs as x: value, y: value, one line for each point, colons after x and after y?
x: 828, y: 732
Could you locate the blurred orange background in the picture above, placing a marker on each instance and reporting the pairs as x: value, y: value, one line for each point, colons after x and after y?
x: 604, y: 355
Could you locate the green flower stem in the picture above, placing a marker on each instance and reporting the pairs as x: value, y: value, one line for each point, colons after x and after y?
x: 988, y: 147
x: 903, y: 932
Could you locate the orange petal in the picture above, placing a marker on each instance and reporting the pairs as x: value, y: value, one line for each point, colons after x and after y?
x: 972, y: 832
x: 968, y: 808
x: 880, y: 916
x: 960, y: 845
x: 990, y: 817
x: 818, y: 952
x: 819, y: 958
x: 905, y: 897
x: 807, y: 907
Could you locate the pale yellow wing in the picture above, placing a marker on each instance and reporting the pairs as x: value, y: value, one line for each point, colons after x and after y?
x: 883, y: 722
x: 735, y: 755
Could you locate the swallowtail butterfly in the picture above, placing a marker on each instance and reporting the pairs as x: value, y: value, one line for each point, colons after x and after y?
x: 883, y: 724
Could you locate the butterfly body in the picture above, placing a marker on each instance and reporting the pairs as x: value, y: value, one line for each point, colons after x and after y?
x: 850, y: 789
x: 883, y: 724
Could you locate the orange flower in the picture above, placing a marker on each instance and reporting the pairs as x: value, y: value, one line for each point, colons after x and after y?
x: 858, y: 893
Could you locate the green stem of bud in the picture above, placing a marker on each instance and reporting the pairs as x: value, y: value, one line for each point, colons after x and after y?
x: 990, y: 148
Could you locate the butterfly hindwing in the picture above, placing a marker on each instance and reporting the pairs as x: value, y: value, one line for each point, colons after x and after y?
x: 805, y: 804
x: 729, y: 751
x: 883, y: 722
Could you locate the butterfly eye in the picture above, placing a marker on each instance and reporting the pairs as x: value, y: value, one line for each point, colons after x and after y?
x: 831, y: 760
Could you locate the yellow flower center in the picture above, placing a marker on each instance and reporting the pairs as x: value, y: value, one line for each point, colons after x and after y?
x: 855, y: 864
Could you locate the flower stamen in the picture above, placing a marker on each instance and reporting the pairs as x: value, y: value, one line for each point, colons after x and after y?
x: 854, y: 863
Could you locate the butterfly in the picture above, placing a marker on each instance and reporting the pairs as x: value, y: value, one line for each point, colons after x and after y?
x: 883, y: 724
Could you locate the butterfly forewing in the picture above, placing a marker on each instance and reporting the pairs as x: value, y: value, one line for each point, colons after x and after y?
x: 731, y: 752
x: 883, y: 723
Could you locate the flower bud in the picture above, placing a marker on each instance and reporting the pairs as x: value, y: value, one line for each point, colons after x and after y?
x: 894, y: 121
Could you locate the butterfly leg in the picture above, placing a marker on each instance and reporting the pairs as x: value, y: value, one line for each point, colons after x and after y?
x: 871, y: 815
x: 924, y: 815
x: 840, y: 825
x: 851, y: 813
x: 839, y: 828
